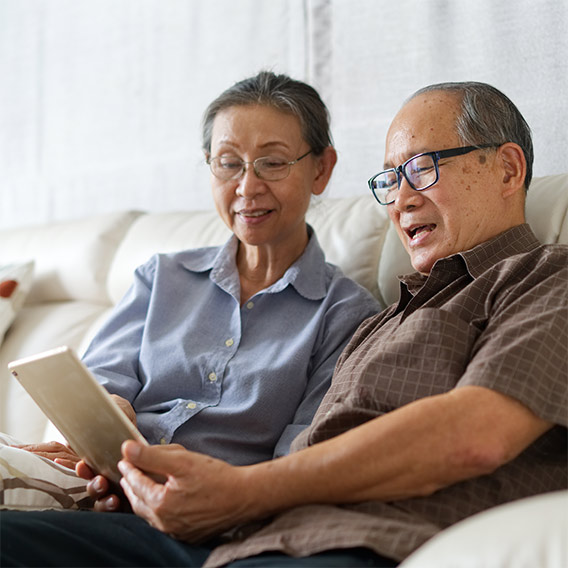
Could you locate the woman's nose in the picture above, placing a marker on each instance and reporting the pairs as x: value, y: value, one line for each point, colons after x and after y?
x: 249, y: 184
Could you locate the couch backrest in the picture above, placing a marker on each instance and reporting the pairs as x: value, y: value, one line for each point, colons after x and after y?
x: 72, y: 258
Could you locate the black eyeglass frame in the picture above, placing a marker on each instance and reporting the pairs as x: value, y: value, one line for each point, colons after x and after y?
x: 253, y: 163
x: 436, y: 156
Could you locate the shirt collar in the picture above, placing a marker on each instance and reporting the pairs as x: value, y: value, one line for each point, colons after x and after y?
x: 476, y: 261
x: 307, y: 274
x: 517, y: 240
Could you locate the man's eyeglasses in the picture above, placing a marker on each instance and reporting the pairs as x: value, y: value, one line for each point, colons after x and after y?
x: 268, y: 168
x: 421, y: 172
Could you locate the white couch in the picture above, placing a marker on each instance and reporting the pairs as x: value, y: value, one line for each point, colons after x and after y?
x: 83, y: 267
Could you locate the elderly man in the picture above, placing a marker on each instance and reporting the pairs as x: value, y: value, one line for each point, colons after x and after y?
x: 451, y: 401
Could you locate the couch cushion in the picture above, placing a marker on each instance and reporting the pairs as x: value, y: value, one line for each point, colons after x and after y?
x: 71, y: 257
x: 527, y: 533
x: 547, y: 208
x: 39, y: 327
x: 162, y: 232
x: 15, y: 283
x: 352, y: 231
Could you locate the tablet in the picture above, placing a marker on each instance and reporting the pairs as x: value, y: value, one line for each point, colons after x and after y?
x: 79, y: 407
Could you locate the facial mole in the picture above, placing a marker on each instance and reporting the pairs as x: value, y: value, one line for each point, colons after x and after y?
x: 482, y: 159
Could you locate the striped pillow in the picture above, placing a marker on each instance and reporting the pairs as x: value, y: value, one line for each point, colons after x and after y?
x: 32, y: 482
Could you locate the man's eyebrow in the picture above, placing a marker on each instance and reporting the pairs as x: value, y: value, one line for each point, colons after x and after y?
x: 387, y: 165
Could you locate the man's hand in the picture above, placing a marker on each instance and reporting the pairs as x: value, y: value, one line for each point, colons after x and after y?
x: 201, y: 496
x: 54, y: 451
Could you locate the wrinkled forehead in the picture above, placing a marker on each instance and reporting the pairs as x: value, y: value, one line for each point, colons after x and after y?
x: 425, y: 123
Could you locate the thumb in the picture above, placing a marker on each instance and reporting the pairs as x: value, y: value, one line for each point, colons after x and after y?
x: 163, y: 460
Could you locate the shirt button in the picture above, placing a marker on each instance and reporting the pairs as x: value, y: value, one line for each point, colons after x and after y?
x: 229, y: 342
x: 163, y: 441
x: 212, y: 377
x: 250, y: 305
x: 191, y: 405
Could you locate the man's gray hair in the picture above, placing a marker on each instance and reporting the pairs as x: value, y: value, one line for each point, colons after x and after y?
x: 282, y: 93
x: 488, y: 116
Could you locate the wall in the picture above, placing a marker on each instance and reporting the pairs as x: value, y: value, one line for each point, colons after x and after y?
x: 101, y: 100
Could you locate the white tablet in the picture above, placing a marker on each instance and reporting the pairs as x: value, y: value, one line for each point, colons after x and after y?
x: 79, y: 407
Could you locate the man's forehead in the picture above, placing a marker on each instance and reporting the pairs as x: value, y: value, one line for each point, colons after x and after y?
x: 424, y: 124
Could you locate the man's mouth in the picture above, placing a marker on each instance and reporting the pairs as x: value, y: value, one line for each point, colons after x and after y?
x: 419, y: 230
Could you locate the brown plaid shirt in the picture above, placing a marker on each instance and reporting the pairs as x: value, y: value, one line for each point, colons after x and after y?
x: 494, y: 316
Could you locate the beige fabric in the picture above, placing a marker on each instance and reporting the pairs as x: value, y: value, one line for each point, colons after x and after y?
x: 29, y: 481
x: 535, y: 528
x: 72, y: 257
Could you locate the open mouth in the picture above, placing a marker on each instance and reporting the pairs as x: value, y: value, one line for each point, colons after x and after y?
x: 420, y: 230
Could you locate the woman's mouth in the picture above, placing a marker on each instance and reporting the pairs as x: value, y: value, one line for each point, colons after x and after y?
x: 253, y: 216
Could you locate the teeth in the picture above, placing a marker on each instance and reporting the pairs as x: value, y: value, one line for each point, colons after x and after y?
x: 419, y: 230
x: 253, y: 213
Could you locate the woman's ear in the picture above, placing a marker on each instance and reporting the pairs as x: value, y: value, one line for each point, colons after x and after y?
x: 324, y: 168
x: 514, y: 168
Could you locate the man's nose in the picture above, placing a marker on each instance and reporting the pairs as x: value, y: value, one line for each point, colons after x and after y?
x: 406, y: 196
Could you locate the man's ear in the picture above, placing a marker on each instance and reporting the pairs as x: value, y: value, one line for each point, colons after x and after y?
x: 324, y: 168
x: 514, y: 168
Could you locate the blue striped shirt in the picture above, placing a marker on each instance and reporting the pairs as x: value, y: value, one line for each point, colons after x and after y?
x: 237, y: 382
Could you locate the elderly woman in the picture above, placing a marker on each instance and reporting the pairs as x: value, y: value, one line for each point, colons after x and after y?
x: 229, y: 350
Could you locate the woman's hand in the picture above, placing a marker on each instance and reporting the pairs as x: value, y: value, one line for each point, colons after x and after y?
x: 59, y: 453
x: 200, y: 497
x: 126, y: 407
x: 100, y: 489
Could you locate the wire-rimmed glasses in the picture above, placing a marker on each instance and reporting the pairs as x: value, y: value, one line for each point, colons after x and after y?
x: 421, y: 172
x: 268, y: 168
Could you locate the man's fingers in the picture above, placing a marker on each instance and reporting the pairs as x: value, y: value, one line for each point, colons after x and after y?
x: 163, y: 460
x: 141, y: 492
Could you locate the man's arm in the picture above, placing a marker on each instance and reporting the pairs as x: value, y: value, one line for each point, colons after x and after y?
x: 412, y: 451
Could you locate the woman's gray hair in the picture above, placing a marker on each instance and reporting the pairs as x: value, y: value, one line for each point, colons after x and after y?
x: 488, y: 116
x: 282, y: 93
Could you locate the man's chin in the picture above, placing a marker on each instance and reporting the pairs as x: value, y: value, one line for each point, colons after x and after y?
x: 422, y: 263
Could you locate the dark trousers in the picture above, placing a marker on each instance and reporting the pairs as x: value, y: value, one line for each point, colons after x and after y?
x: 82, y: 538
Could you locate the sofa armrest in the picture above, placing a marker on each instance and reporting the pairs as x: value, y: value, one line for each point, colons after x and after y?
x: 523, y: 534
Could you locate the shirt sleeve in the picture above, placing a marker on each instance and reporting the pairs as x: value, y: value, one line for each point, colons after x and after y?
x: 113, y: 354
x: 348, y: 306
x: 523, y: 350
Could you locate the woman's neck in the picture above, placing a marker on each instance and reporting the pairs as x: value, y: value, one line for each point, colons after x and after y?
x: 260, y: 266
